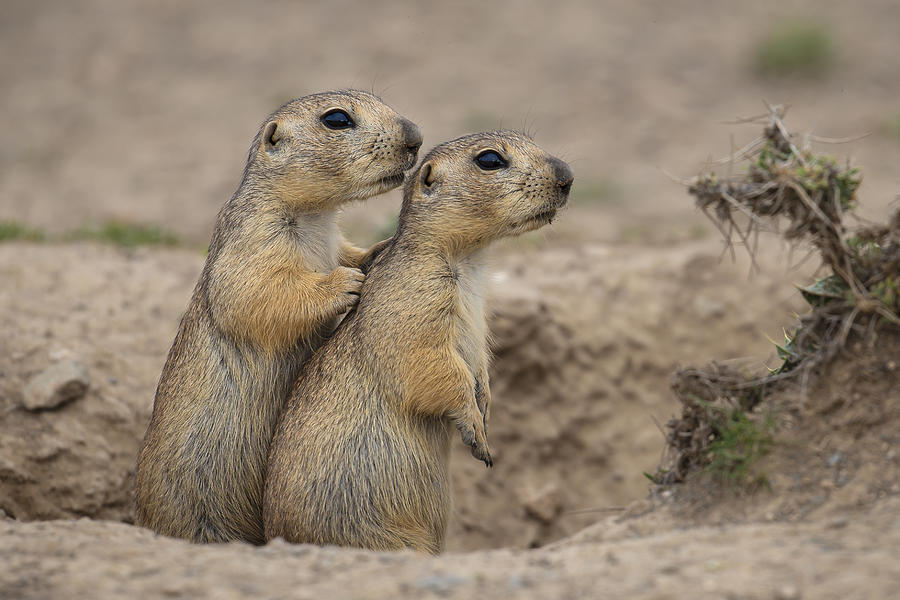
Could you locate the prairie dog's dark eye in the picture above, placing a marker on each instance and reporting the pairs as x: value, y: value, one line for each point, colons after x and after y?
x: 490, y: 160
x: 337, y: 119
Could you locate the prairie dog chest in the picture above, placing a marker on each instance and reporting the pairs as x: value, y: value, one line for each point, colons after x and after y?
x: 317, y: 239
x: 471, y: 324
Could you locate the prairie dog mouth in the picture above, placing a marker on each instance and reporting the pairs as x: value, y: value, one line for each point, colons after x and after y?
x: 535, y: 221
x: 546, y: 215
x: 391, y: 181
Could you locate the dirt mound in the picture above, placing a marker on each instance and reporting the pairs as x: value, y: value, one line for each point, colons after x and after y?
x: 832, y: 450
x: 102, y: 309
x: 585, y: 341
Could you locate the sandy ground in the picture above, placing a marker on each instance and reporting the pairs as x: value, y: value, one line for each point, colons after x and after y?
x: 143, y: 112
x: 834, y: 560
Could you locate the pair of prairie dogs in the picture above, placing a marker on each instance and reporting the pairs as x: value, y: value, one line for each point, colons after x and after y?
x: 270, y: 422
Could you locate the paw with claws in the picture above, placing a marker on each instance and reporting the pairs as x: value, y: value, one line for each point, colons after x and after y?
x: 470, y: 424
x: 347, y: 285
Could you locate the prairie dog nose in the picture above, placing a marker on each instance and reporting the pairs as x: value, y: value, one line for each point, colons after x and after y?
x: 563, y: 174
x: 411, y: 135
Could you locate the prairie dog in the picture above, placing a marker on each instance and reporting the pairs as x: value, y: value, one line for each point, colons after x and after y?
x: 277, y: 278
x: 360, y: 455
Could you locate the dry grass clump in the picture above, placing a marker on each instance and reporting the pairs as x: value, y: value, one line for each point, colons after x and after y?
x: 788, y: 183
x: 724, y: 426
x: 719, y: 428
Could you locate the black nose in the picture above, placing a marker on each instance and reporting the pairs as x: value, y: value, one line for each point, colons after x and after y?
x: 411, y: 135
x: 563, y: 174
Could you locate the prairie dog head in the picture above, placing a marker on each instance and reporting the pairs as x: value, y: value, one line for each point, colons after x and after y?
x: 475, y: 189
x: 322, y: 150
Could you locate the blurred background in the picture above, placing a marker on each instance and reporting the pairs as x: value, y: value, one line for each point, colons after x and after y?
x: 129, y: 122
x: 142, y: 112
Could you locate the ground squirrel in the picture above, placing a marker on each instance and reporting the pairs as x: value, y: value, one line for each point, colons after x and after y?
x: 360, y: 455
x: 277, y: 278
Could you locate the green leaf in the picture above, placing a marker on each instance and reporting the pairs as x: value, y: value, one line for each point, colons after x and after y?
x: 825, y: 290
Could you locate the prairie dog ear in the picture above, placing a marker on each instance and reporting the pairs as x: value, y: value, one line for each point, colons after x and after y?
x: 429, y: 177
x: 273, y: 133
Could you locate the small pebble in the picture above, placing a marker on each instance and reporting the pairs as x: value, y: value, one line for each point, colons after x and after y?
x: 787, y: 592
x: 440, y: 584
x: 58, y: 384
x: 546, y: 504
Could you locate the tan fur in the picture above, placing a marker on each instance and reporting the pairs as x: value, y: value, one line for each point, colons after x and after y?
x: 360, y: 455
x: 277, y: 279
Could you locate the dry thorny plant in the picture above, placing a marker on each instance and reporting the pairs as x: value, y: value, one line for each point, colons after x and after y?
x: 785, y: 185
